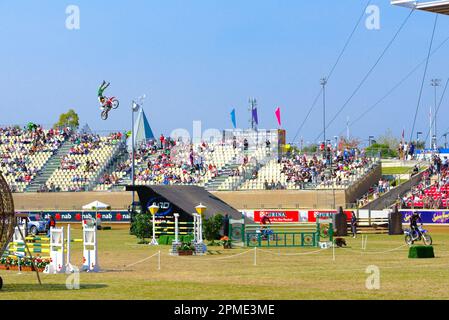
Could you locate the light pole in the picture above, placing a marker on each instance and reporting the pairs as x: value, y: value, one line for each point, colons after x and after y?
x: 134, y: 108
x: 417, y: 138
x: 370, y: 139
x: 445, y: 140
x: 323, y: 84
x: 435, y: 83
x: 153, y: 210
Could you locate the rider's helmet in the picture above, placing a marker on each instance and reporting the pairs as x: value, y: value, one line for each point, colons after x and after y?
x: 102, y: 99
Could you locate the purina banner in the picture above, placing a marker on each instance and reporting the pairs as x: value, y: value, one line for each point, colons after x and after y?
x: 78, y: 216
x: 325, y: 214
x: 277, y: 216
x: 428, y: 217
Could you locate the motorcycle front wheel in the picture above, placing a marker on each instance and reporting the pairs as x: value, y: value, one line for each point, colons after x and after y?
x: 115, y: 104
x: 427, y: 240
x: 409, y: 240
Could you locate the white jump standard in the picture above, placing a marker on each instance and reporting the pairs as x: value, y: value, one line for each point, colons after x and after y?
x: 90, y: 253
x: 57, y: 244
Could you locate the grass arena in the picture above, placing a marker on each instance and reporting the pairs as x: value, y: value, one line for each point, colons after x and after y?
x: 132, y: 271
x: 194, y: 161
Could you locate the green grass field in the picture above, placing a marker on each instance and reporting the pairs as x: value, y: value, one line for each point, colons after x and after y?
x: 289, y: 274
x: 396, y: 170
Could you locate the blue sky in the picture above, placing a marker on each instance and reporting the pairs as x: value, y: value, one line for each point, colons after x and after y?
x: 198, y: 59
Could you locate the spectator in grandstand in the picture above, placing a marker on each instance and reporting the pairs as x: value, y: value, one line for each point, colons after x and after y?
x: 266, y: 185
x: 162, y: 140
x: 415, y: 170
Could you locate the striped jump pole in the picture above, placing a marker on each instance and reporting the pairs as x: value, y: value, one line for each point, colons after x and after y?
x: 68, y: 267
x: 57, y: 244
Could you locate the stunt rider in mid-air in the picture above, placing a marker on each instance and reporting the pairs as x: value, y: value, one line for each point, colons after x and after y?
x: 101, y: 98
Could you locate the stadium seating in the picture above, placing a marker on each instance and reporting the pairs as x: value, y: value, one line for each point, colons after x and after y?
x: 23, y: 153
x: 82, y: 165
x: 98, y: 163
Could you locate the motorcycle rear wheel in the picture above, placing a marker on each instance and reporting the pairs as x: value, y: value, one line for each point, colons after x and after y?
x: 104, y: 115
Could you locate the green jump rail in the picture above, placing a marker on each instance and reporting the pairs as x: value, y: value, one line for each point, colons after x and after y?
x: 288, y: 235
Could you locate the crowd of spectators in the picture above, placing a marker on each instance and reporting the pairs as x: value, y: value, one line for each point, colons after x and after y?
x: 21, y: 146
x: 406, y: 151
x: 433, y: 190
x: 109, y: 179
x: 301, y: 169
x: 274, y: 185
x: 376, y: 191
x: 173, y: 163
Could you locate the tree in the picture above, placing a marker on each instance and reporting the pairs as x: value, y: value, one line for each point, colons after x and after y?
x: 310, y: 149
x: 69, y: 119
x: 142, y: 226
x: 212, y: 227
x: 389, y: 140
x: 384, y: 149
x: 351, y: 143
x: 387, y: 144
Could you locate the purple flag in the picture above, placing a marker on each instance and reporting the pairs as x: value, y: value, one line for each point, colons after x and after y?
x: 255, y: 118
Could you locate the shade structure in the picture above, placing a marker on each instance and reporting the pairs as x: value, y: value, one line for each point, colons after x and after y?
x: 441, y: 6
x: 142, y: 130
x: 96, y: 205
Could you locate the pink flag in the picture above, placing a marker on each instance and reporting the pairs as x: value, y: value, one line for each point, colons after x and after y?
x: 278, y: 115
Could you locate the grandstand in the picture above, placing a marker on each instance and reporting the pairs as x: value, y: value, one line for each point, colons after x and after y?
x: 433, y: 190
x: 65, y: 161
x: 24, y: 153
x: 87, y: 158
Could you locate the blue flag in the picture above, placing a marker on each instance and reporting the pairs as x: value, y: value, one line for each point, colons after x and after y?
x: 255, y: 117
x: 233, y: 119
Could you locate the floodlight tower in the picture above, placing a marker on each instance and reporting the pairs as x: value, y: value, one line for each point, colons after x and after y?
x: 435, y: 83
x: 323, y: 82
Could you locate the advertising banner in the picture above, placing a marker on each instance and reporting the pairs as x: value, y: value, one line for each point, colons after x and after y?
x: 428, y: 217
x: 277, y: 216
x: 325, y: 214
x: 78, y: 216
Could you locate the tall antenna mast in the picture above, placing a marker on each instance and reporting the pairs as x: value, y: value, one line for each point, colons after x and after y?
x: 347, y: 128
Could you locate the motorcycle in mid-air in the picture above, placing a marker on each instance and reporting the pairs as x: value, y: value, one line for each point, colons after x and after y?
x: 417, y: 235
x: 111, y: 103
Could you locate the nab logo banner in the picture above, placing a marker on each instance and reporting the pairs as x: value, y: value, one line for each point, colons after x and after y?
x: 78, y: 216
